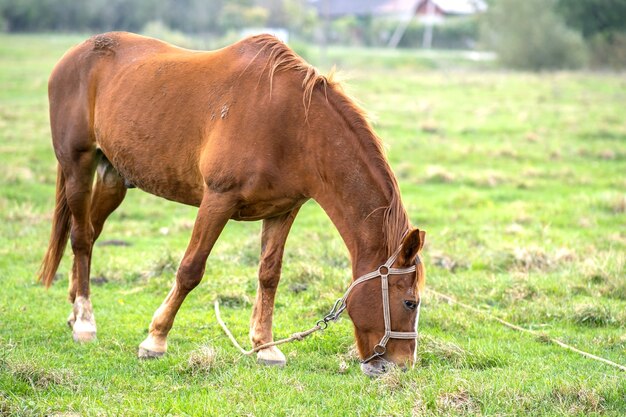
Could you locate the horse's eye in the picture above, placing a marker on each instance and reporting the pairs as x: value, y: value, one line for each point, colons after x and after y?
x: 410, y: 304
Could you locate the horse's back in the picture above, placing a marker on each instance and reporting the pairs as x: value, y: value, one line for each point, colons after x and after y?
x: 173, y: 121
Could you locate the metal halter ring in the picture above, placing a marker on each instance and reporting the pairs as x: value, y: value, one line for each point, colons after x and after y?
x: 383, y: 270
x: 323, y: 324
x: 379, y: 350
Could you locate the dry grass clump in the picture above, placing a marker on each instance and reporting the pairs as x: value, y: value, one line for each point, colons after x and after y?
x: 307, y: 272
x: 607, y: 271
x: 248, y: 250
x: 438, y: 174
x: 615, y: 289
x: 344, y: 360
x: 618, y: 204
x: 433, y: 351
x: 234, y: 300
x: 446, y: 262
x: 514, y: 229
x: 521, y: 291
x: 578, y: 400
x: 506, y: 153
x: 447, y: 351
x: 593, y: 315
x: 607, y: 154
x: 343, y: 366
x: 353, y: 353
x: 202, y: 360
x: 404, y: 171
x: 532, y: 137
x: 459, y: 401
x: 245, y: 251
x: 419, y: 407
x: 529, y: 259
x: 487, y: 179
x: 537, y: 259
x: 26, y: 214
x: 38, y: 378
x: 392, y: 380
x: 614, y: 203
x: 429, y: 126
x: 587, y: 222
x: 166, y: 264
x: 18, y: 175
x: 5, y: 405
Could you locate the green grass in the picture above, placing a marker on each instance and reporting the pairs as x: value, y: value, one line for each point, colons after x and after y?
x: 519, y: 180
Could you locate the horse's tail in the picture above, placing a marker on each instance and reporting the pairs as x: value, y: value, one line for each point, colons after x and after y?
x: 61, y: 222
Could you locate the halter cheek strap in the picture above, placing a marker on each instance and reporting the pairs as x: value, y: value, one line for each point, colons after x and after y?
x: 383, y: 272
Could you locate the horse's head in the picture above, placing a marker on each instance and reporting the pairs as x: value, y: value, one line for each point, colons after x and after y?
x: 380, y: 344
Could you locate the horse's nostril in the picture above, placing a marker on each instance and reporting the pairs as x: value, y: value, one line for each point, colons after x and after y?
x: 376, y: 369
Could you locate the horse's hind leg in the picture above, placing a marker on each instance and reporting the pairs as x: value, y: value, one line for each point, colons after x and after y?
x: 79, y: 173
x: 108, y: 193
x: 274, y: 235
x: 214, y: 212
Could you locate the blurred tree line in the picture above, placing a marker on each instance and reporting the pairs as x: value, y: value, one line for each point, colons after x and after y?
x: 527, y: 34
x: 551, y: 34
x: 189, y: 16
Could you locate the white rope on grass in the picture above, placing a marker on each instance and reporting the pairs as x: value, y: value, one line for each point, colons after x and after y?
x: 295, y: 336
x: 524, y: 330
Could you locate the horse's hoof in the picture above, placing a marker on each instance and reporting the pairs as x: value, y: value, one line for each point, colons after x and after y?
x: 83, y: 331
x: 271, y: 356
x: 143, y: 353
x: 151, y: 348
x: 84, y: 337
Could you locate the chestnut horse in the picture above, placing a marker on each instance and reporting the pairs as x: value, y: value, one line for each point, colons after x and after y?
x: 247, y: 132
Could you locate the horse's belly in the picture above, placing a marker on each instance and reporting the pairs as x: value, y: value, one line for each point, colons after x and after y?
x: 266, y: 209
x: 157, y: 173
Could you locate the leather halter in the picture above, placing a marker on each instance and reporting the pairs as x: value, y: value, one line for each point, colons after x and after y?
x: 383, y: 272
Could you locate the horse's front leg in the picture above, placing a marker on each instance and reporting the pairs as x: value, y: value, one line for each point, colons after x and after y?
x: 274, y: 235
x: 213, y: 214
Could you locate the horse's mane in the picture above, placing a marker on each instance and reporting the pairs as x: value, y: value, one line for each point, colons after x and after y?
x: 279, y: 57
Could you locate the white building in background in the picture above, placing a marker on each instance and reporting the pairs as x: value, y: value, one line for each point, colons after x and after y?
x: 429, y: 12
x: 398, y: 8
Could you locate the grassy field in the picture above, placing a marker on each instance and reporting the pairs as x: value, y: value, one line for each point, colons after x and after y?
x: 519, y: 180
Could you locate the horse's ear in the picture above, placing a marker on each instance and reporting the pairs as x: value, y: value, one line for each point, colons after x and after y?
x: 411, y: 245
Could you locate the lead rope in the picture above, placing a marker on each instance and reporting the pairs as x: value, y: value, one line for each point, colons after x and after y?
x: 321, y: 324
x: 489, y: 315
x: 295, y: 336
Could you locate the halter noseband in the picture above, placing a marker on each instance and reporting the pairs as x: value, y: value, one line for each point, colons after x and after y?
x: 383, y: 272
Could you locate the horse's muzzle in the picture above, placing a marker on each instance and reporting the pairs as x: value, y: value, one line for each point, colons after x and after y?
x: 378, y: 367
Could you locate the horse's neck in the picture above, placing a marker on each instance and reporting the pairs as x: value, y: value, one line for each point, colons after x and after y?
x: 357, y: 186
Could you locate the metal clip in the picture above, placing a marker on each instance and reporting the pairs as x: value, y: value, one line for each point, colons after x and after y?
x: 334, y: 312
